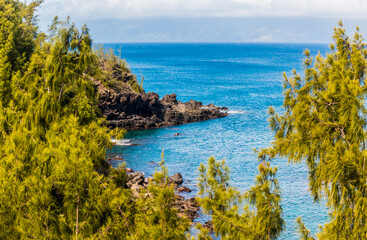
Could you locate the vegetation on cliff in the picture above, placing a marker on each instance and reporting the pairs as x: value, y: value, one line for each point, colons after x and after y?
x: 115, y: 74
x: 54, y: 180
x: 56, y: 184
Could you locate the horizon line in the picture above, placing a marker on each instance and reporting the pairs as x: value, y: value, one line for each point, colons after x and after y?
x: 203, y: 42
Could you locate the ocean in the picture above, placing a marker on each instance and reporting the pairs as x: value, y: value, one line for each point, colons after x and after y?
x: 245, y: 78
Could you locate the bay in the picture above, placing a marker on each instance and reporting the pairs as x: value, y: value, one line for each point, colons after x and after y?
x: 246, y: 78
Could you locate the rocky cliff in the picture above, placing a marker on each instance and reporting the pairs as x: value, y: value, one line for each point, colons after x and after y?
x: 126, y: 105
x: 132, y: 110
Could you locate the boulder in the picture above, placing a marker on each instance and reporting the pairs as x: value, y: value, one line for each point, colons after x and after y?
x: 135, y: 178
x: 188, y: 208
x: 209, y: 225
x: 176, y: 179
x: 136, y: 189
x: 184, y: 189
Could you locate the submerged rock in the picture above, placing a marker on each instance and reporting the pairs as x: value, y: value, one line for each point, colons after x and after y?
x: 116, y: 158
x: 153, y: 163
x: 184, y: 189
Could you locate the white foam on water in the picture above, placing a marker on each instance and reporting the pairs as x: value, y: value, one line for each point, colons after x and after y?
x: 234, y: 112
x: 122, y: 142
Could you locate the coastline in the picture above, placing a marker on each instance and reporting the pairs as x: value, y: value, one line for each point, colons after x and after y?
x: 132, y: 110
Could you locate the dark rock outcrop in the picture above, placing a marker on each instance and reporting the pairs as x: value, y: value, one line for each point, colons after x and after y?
x: 187, y: 207
x: 209, y: 225
x: 116, y: 158
x: 131, y: 110
x: 183, y: 189
x: 135, y: 178
x: 176, y: 179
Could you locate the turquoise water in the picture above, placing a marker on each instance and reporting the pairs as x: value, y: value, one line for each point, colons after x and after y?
x: 246, y: 78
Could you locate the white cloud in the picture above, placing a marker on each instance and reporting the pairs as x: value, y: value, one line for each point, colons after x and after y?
x: 124, y: 9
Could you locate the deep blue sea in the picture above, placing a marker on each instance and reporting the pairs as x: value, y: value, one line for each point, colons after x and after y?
x: 246, y: 78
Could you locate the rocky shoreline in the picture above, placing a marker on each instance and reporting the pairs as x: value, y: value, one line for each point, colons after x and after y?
x: 132, y: 110
x: 186, y: 207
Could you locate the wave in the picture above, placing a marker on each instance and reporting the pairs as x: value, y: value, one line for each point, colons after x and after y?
x: 243, y: 61
x: 122, y: 142
x: 235, y: 111
x: 232, y: 111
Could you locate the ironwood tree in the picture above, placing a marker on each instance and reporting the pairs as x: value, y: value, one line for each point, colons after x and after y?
x: 324, y: 125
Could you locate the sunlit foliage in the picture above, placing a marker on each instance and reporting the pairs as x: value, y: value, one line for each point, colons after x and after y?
x: 259, y: 218
x: 324, y: 125
x: 54, y: 180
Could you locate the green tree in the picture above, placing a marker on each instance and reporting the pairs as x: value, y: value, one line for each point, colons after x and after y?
x: 54, y: 180
x: 156, y: 216
x: 53, y: 143
x: 304, y: 232
x: 324, y: 124
x: 260, y: 218
x: 17, y: 35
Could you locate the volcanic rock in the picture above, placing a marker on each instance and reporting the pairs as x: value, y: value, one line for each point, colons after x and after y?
x: 209, y: 225
x: 135, y: 178
x: 188, y: 208
x: 184, y: 189
x: 132, y: 110
x: 176, y: 179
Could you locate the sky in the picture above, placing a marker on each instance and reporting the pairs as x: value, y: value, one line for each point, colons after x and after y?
x: 296, y: 21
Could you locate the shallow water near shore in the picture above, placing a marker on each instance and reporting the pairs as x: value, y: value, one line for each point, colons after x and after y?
x: 246, y: 78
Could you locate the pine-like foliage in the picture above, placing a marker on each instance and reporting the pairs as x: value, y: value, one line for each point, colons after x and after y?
x: 52, y: 142
x: 260, y: 218
x: 17, y: 35
x: 54, y: 180
x: 156, y: 216
x: 114, y: 72
x: 56, y: 184
x: 324, y: 124
x: 303, y: 231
